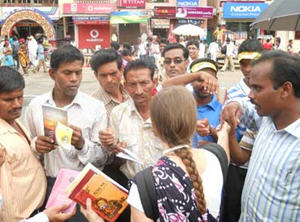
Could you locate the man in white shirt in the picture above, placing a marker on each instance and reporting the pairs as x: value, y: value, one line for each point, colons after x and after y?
x: 86, y: 116
x: 213, y: 50
x: 228, y: 62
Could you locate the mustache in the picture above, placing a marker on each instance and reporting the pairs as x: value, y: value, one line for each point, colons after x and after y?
x: 15, y: 110
x: 254, y: 103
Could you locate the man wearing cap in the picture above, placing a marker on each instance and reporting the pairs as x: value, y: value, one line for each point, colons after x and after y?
x: 248, y: 51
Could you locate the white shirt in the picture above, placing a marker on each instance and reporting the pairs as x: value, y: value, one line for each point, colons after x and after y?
x: 230, y: 49
x: 84, y: 112
x: 213, y: 49
x: 201, y: 51
x: 131, y: 128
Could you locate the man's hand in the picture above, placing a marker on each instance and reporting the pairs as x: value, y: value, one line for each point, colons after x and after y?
x: 231, y: 113
x: 107, y: 138
x: 77, y: 139
x: 2, y: 154
x: 202, y: 127
x: 56, y: 214
x: 209, y: 82
x: 89, y: 213
x: 44, y: 144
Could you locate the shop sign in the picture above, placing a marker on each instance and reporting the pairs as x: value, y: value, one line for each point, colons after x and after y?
x: 164, y: 12
x: 92, y: 36
x: 125, y: 17
x: 51, y: 12
x: 90, y: 20
x: 131, y: 3
x: 190, y: 21
x: 187, y: 3
x: 243, y: 10
x: 194, y: 12
x: 160, y: 23
x: 87, y: 8
x: 157, y: 1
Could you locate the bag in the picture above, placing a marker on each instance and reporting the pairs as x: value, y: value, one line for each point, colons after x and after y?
x: 146, y: 188
x: 224, y: 49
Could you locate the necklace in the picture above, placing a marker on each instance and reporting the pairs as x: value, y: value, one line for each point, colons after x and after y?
x: 175, y: 148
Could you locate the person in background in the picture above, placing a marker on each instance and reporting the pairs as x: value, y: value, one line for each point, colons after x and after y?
x: 23, y: 56
x: 7, y: 57
x: 41, y: 56
x: 229, y: 55
x: 201, y: 49
x: 290, y: 47
x: 193, y: 48
x: 15, y: 49
x: 32, y: 51
x: 267, y: 45
x: 115, y: 46
x: 127, y: 56
x: 213, y: 50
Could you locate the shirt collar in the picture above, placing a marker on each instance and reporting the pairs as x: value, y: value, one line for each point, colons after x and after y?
x: 213, y: 104
x: 294, y: 128
x: 133, y: 110
x: 107, y: 98
x: 77, y: 100
x: 6, y: 127
x: 244, y: 87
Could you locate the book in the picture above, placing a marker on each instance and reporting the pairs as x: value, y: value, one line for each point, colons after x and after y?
x: 51, y: 116
x: 58, y: 194
x: 128, y: 155
x: 107, y: 196
x: 63, y: 136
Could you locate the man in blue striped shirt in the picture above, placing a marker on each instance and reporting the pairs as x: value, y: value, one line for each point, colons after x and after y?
x: 272, y: 187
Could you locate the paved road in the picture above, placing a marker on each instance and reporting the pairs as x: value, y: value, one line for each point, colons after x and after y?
x: 40, y: 83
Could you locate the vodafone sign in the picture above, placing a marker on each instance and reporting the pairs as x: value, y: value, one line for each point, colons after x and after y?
x: 91, y: 35
x: 88, y: 8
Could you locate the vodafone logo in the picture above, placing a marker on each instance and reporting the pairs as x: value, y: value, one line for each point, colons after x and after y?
x: 94, y: 33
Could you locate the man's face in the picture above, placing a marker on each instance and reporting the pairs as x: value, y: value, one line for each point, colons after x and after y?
x: 139, y: 85
x: 67, y: 78
x: 193, y: 52
x: 174, y: 63
x: 109, y: 76
x: 263, y: 95
x: 11, y: 105
x: 199, y: 91
x: 246, y: 69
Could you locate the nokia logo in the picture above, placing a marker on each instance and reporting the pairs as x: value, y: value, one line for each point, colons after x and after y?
x: 187, y: 3
x: 245, y: 8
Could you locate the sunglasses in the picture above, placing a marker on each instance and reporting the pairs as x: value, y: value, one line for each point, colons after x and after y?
x: 176, y: 61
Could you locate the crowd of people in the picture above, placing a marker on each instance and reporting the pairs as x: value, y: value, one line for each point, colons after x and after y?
x: 206, y: 160
x: 30, y: 54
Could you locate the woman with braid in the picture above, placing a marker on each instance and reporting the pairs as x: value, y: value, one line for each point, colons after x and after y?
x: 188, y: 181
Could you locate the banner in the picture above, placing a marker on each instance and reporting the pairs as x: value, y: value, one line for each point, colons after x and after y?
x: 131, y: 3
x: 243, y: 10
x: 194, y: 12
x: 125, y: 17
x: 90, y: 36
x: 87, y: 8
x: 160, y: 23
x: 164, y: 12
x: 187, y: 3
x: 90, y: 20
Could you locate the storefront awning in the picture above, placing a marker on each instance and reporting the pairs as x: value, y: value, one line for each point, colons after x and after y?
x: 125, y: 17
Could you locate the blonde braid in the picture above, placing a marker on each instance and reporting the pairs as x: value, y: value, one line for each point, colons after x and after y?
x: 187, y: 159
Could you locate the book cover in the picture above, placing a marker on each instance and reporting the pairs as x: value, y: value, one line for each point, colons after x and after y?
x: 58, y: 194
x: 63, y: 136
x: 108, y: 197
x: 108, y: 201
x: 52, y: 115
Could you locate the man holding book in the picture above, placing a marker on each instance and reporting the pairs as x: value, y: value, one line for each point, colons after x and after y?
x: 86, y: 116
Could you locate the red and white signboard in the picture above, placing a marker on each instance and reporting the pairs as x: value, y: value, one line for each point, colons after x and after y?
x: 131, y: 3
x: 90, y: 36
x: 87, y: 8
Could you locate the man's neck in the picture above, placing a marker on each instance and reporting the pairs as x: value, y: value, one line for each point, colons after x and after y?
x: 203, y: 101
x: 287, y: 116
x: 117, y: 95
x: 61, y: 100
x: 144, y: 111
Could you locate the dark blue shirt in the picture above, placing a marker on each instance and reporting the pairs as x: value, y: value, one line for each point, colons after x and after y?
x: 210, y: 111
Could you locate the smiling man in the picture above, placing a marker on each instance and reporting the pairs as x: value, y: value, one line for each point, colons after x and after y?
x: 86, y: 116
x: 22, y: 178
x: 272, y: 185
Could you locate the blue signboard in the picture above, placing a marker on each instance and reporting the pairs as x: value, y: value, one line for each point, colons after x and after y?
x: 243, y: 10
x: 189, y: 3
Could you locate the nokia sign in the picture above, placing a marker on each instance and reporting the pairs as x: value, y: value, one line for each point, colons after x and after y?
x: 243, y: 10
x: 189, y: 3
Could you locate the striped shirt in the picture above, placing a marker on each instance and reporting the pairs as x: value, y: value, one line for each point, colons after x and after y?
x: 137, y: 133
x: 272, y: 187
x: 247, y: 142
x: 108, y: 100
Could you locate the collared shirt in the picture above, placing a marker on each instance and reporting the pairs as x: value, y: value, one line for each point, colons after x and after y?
x: 22, y: 177
x: 108, y: 100
x: 247, y: 142
x: 211, y: 111
x: 272, y: 187
x: 131, y: 128
x: 84, y: 112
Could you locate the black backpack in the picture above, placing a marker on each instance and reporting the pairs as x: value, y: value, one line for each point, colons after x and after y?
x: 146, y: 188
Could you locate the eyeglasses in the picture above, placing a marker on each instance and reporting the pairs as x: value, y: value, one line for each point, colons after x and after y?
x: 176, y: 61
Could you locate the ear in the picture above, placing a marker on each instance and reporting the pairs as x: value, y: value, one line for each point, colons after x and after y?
x: 287, y: 90
x: 52, y: 74
x: 154, y: 81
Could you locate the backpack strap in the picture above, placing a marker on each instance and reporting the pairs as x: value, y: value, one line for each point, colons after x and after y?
x: 147, y: 192
x: 219, y: 152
